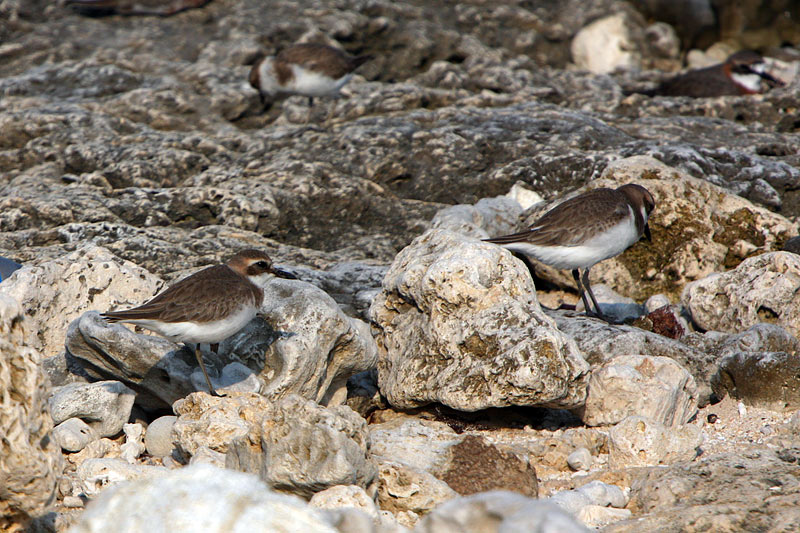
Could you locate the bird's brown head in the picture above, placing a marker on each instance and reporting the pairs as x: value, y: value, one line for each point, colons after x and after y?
x: 255, y: 74
x: 643, y: 199
x: 253, y: 263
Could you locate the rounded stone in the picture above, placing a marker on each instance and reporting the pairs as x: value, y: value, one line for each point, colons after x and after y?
x: 158, y: 437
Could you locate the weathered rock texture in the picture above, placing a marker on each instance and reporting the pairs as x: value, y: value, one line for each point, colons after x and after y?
x: 30, y: 460
x: 460, y: 325
x: 765, y: 288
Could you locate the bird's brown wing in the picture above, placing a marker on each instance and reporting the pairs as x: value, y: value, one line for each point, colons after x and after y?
x: 319, y: 58
x: 202, y: 297
x: 573, y: 221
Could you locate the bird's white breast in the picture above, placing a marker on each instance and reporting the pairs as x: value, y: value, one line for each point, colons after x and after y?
x: 311, y: 83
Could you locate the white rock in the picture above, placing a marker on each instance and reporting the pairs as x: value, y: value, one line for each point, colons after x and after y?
x: 604, y: 494
x: 340, y: 496
x: 500, y: 511
x: 525, y: 197
x: 200, y: 498
x: 488, y: 217
x: 460, y: 325
x: 596, y: 516
x: 104, y: 405
x: 59, y: 291
x: 97, y: 474
x: 418, y: 443
x: 403, y: 488
x: 656, y: 301
x: 73, y: 434
x: 638, y: 441
x: 204, y: 455
x: 133, y: 447
x: 158, y: 437
x: 761, y: 289
x: 580, y: 459
x: 607, y: 44
x: 653, y: 387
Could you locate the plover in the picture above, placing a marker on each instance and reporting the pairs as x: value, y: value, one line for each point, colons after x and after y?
x: 584, y: 230
x: 306, y: 69
x: 207, y: 306
x: 742, y: 73
x: 161, y: 8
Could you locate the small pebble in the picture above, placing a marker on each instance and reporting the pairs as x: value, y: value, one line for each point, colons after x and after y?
x: 73, y: 502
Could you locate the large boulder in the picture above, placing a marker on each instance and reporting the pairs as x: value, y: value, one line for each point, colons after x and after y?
x: 460, y: 325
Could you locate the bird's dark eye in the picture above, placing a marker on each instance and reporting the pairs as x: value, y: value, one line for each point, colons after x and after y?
x: 263, y: 264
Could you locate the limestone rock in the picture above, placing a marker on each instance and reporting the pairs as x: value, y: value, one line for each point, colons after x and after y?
x: 203, y: 498
x: 638, y: 441
x: 498, y: 511
x: 158, y: 369
x: 580, y: 459
x: 654, y: 387
x: 98, y: 474
x: 340, y: 496
x: 450, y: 306
x: 738, y: 490
x: 760, y: 289
x: 601, y: 342
x: 326, y: 349
x: 57, y: 292
x: 420, y: 444
x: 609, y: 43
x: 133, y: 447
x: 595, y: 503
x: 29, y: 460
x: 764, y: 379
x: 73, y: 434
x: 104, y: 405
x: 403, y: 488
x: 158, y: 437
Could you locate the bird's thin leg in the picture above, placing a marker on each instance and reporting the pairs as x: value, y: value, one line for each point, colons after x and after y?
x: 599, y: 314
x: 203, y: 368
x: 576, y: 275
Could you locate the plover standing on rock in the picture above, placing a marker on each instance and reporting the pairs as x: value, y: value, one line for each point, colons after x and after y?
x: 584, y: 230
x: 207, y: 306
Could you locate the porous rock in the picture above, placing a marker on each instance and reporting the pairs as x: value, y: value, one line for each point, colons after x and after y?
x: 450, y: 306
x: 326, y: 346
x: 199, y: 497
x: 654, y: 387
x: 498, y: 511
x: 265, y: 438
x: 609, y: 43
x: 57, y: 292
x: 403, y: 488
x: 98, y: 474
x: 760, y: 289
x: 30, y: 461
x: 639, y: 441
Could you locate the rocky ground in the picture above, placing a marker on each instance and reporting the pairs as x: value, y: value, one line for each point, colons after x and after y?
x: 412, y: 372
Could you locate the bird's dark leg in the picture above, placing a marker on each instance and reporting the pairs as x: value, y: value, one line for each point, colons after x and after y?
x: 577, y: 277
x: 599, y: 314
x: 203, y: 368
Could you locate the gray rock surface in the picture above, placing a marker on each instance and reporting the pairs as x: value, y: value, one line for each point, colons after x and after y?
x: 73, y: 434
x: 764, y: 379
x: 104, y: 405
x: 158, y: 437
x: 450, y: 306
x: 30, y: 461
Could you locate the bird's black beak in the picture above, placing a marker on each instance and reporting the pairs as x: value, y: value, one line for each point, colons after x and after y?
x: 647, y: 233
x: 283, y: 273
